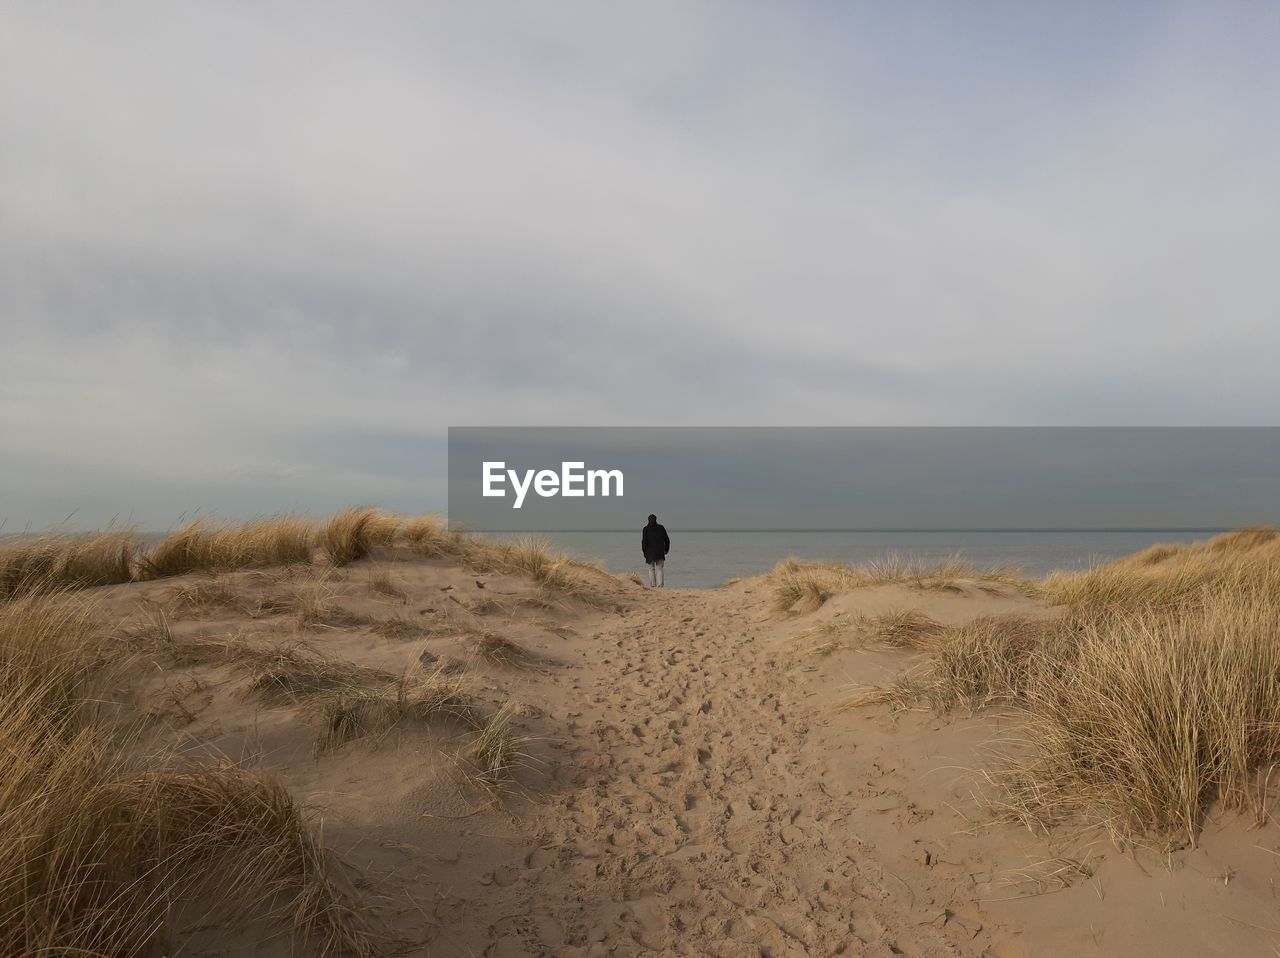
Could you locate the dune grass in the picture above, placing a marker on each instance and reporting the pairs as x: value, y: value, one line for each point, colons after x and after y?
x: 64, y: 561
x: 1143, y: 719
x: 58, y: 560
x: 354, y: 533
x: 805, y: 586
x: 1151, y: 695
x: 1172, y: 576
x: 498, y: 750
x: 98, y: 855
x: 204, y: 546
x: 498, y: 649
x: 355, y: 711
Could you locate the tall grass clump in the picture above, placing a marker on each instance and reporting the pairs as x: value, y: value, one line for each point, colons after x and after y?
x: 1154, y: 715
x: 97, y: 856
x: 65, y: 561
x: 202, y: 546
x: 353, y: 533
x: 1154, y: 694
x: 1172, y: 576
x: 985, y: 661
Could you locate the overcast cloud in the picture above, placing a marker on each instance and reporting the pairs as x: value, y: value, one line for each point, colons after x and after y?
x: 257, y: 257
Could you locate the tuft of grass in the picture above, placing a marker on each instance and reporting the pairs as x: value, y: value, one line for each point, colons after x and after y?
x: 1154, y: 695
x: 428, y: 536
x: 1175, y: 576
x: 57, y: 561
x: 805, y: 586
x: 985, y: 661
x: 383, y: 582
x: 355, y: 712
x: 99, y: 856
x: 498, y: 750
x: 296, y: 670
x: 203, y: 546
x: 313, y: 603
x: 353, y: 533
x: 556, y: 573
x: 204, y: 597
x: 904, y: 629
x: 500, y: 650
x: 1149, y: 716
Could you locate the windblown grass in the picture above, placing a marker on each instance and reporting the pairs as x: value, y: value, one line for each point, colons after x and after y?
x: 1244, y: 560
x: 295, y: 670
x: 204, y: 597
x: 985, y: 661
x: 96, y: 856
x: 313, y: 603
x: 203, y: 546
x: 903, y: 629
x: 383, y: 582
x: 1155, y: 694
x: 498, y: 750
x: 428, y: 536
x: 57, y: 561
x: 500, y: 650
x: 554, y: 571
x: 93, y: 559
x: 354, y: 533
x: 354, y: 712
x: 804, y: 586
x: 1149, y: 716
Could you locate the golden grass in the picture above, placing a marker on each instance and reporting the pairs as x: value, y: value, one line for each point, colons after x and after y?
x: 984, y: 661
x: 383, y: 582
x: 805, y: 586
x: 204, y: 597
x: 313, y: 603
x: 353, y: 533
x: 1154, y: 695
x: 498, y: 751
x: 553, y: 571
x: 354, y: 712
x: 204, y: 546
x: 1175, y: 575
x: 59, y: 561
x: 428, y: 536
x: 500, y: 650
x: 1146, y: 717
x: 96, y: 857
x: 904, y: 629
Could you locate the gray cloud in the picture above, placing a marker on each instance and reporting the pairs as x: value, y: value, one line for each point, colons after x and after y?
x: 263, y: 256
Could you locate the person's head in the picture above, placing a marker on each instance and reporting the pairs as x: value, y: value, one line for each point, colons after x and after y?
x: 652, y: 519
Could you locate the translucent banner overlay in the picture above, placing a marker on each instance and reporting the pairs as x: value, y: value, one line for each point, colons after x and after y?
x: 568, y: 479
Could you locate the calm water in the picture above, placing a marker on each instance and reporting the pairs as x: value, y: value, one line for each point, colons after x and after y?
x: 708, y: 559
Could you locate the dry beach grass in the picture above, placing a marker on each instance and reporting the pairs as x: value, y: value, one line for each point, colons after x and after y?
x: 456, y: 711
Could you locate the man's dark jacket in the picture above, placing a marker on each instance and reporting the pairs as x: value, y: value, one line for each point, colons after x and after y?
x: 654, y: 542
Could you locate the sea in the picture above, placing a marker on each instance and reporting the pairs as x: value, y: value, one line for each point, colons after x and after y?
x: 706, y: 560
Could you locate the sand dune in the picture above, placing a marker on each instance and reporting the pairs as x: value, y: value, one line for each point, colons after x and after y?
x: 690, y: 779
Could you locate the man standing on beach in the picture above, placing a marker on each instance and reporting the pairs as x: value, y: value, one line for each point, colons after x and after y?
x: 656, y: 545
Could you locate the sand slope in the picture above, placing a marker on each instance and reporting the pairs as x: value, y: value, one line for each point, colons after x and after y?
x: 693, y: 787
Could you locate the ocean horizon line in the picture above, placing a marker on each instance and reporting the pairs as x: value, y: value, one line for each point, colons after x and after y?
x: 878, y: 529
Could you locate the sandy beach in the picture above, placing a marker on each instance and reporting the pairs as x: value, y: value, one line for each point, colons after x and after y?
x: 679, y: 772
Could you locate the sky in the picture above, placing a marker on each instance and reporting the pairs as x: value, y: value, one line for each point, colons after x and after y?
x: 258, y: 257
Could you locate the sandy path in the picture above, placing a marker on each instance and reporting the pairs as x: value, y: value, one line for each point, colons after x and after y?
x: 700, y: 824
